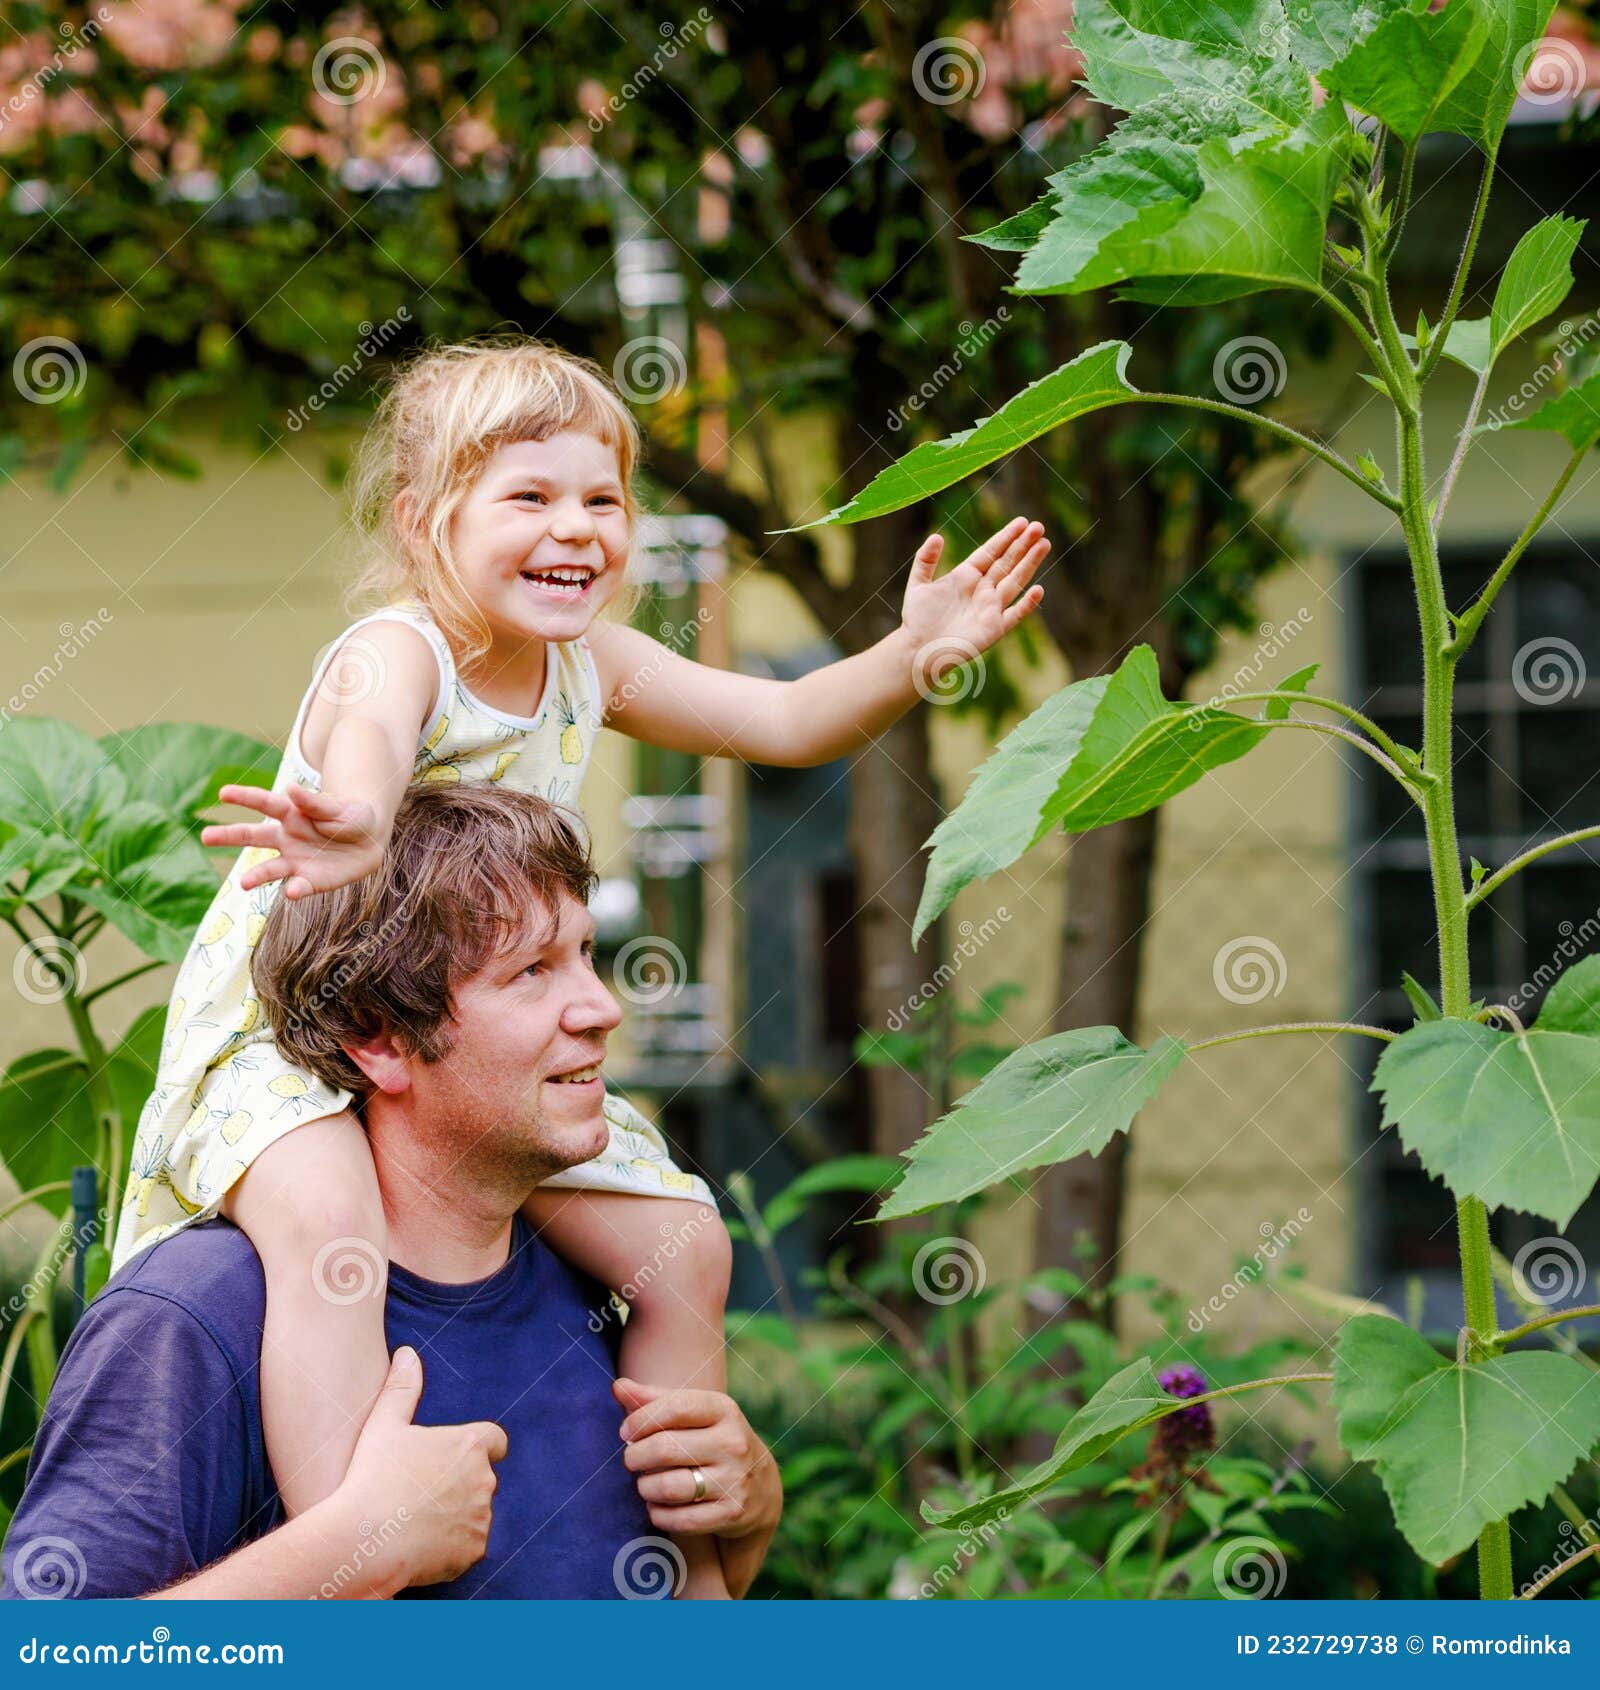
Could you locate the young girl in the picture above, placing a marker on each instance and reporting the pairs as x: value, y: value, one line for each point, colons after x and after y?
x: 496, y: 483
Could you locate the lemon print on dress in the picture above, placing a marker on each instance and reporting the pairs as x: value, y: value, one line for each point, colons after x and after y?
x: 502, y: 763
x: 441, y: 774
x: 438, y: 734
x: 216, y: 926
x: 253, y: 929
x: 571, y: 738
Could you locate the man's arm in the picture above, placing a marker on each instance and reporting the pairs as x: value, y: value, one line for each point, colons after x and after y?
x: 679, y: 1441
x: 414, y: 1508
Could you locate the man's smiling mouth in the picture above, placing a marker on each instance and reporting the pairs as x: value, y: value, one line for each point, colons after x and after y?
x: 568, y: 581
x: 576, y: 1076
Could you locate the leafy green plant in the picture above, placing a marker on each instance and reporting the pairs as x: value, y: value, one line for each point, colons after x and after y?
x: 871, y: 1416
x: 1227, y: 177
x: 93, y: 834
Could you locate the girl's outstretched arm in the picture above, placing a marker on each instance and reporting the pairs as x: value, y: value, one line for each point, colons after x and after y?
x: 655, y: 695
x: 361, y: 730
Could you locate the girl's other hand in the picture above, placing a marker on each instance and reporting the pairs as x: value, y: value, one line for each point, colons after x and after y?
x: 322, y: 842
x: 955, y: 618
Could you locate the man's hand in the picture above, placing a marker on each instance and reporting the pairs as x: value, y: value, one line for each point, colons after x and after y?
x: 322, y: 842
x: 436, y: 1483
x: 668, y: 1434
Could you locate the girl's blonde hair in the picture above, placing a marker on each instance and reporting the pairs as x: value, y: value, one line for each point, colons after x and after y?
x: 444, y: 415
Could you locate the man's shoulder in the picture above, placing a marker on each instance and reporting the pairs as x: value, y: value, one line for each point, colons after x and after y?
x: 210, y: 1272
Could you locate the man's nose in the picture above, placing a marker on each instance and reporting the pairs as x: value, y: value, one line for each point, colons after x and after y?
x: 594, y: 1010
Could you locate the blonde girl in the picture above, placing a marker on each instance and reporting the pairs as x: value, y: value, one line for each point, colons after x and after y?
x: 496, y: 487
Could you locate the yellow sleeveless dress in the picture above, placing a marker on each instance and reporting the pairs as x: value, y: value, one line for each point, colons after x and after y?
x: 223, y: 1093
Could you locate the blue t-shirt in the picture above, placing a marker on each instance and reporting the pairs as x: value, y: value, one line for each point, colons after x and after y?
x: 150, y: 1462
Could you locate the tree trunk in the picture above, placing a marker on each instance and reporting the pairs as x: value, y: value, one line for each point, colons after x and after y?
x: 892, y: 811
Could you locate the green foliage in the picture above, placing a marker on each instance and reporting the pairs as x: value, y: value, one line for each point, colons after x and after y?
x: 1511, y: 1117
x: 1060, y: 1097
x: 1459, y: 1445
x: 1125, y: 750
x: 1225, y: 178
x: 91, y: 833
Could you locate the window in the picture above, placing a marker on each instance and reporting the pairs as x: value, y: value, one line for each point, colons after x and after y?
x: 1527, y: 768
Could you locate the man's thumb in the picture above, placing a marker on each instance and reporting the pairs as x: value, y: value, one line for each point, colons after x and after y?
x: 402, y: 1390
x: 631, y: 1394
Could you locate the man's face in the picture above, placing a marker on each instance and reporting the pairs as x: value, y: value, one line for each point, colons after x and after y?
x: 533, y: 1016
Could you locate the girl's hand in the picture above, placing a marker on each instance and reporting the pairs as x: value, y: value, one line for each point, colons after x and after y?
x: 322, y: 842
x: 959, y: 616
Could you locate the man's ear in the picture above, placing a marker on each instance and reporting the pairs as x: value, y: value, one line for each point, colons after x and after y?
x: 384, y: 1063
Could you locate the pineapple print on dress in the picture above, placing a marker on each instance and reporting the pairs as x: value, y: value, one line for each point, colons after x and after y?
x: 571, y: 737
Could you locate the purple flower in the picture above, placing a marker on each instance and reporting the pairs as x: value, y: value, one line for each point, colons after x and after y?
x: 1189, y: 1431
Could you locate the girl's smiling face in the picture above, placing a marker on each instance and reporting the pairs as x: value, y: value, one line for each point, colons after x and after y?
x: 541, y: 540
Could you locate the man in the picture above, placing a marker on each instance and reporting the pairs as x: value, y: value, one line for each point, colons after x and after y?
x: 523, y: 1479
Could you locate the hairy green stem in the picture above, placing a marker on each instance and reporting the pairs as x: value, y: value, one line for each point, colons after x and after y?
x: 1501, y: 875
x: 1283, y: 432
x: 1295, y: 1027
x: 103, y: 1101
x: 1337, y: 706
x: 1471, y: 619
x: 1544, y: 1320
x: 1463, y: 443
x: 1464, y: 265
x: 1361, y: 745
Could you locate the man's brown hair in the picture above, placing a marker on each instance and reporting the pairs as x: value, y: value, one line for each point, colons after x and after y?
x: 465, y: 868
